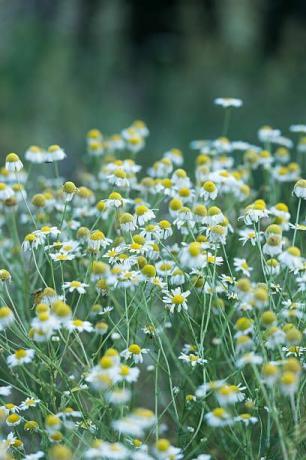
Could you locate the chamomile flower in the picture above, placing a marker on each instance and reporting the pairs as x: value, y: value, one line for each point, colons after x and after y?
x: 300, y: 189
x: 267, y: 134
x: 217, y: 234
x: 115, y: 200
x: 281, y: 212
x: 229, y: 394
x: 242, y: 266
x: 176, y: 299
x: 128, y: 222
x: 209, y: 191
x: 249, y: 358
x: 128, y: 426
x: 214, y: 216
x: 79, y: 325
x: 135, y: 352
x: 184, y: 220
x: 247, y: 419
x: 192, y: 255
x: 289, y: 382
x: 98, y: 240
x: 119, y: 178
x: 255, y: 212
x: 218, y: 417
x: 165, y: 451
x: 127, y: 374
x: 165, y: 267
x: 49, y: 296
x: 270, y: 373
x: 193, y: 359
x: 61, y: 257
x: 28, y: 403
x: 35, y: 154
x: 141, y: 127
x: 265, y: 159
x: 134, y: 141
x: 55, y: 153
x: 75, y: 286
x: 244, y: 343
x: 13, y: 163
x: 6, y: 192
x: 165, y: 229
x: 13, y: 419
x: 143, y: 214
x: 248, y: 235
x: 272, y: 267
x: 273, y: 245
x: 69, y: 189
x: 118, y: 396
x: 62, y: 311
x: 6, y: 317
x: 228, y: 102
x: 282, y: 155
x: 274, y: 337
x: 175, y: 155
x: 291, y: 258
x: 20, y: 357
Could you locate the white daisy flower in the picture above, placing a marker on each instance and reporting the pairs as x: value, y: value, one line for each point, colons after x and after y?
x: 135, y: 352
x: 249, y: 358
x: 6, y: 317
x: 300, y: 189
x: 241, y: 265
x: 21, y: 356
x: 13, y: 163
x: 192, y: 359
x: 219, y: 417
x: 227, y: 102
x: 35, y: 154
x: 79, y: 325
x: 176, y: 299
x: 75, y: 286
x: 291, y: 258
x: 55, y: 153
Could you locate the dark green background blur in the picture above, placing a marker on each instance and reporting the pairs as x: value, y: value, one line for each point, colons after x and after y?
x: 67, y: 66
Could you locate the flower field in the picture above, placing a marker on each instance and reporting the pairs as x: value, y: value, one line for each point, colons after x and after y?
x: 155, y: 313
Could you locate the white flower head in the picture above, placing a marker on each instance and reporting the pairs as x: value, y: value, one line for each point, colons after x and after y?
x: 176, y: 299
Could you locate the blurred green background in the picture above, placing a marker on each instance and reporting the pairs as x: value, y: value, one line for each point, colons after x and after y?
x: 71, y: 65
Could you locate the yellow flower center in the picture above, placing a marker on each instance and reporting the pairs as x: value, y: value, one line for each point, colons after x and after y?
x: 194, y: 249
x: 294, y: 251
x: 209, y: 187
x: 178, y: 299
x: 75, y: 284
x: 124, y: 370
x: 13, y: 418
x: 162, y: 445
x: 5, y: 312
x: 12, y: 158
x: 77, y: 322
x: 288, y: 378
x: 19, y: 354
x: 219, y: 412
x: 135, y: 349
x: 106, y: 362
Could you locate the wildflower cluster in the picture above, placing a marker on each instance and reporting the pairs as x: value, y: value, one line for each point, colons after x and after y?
x: 154, y: 314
